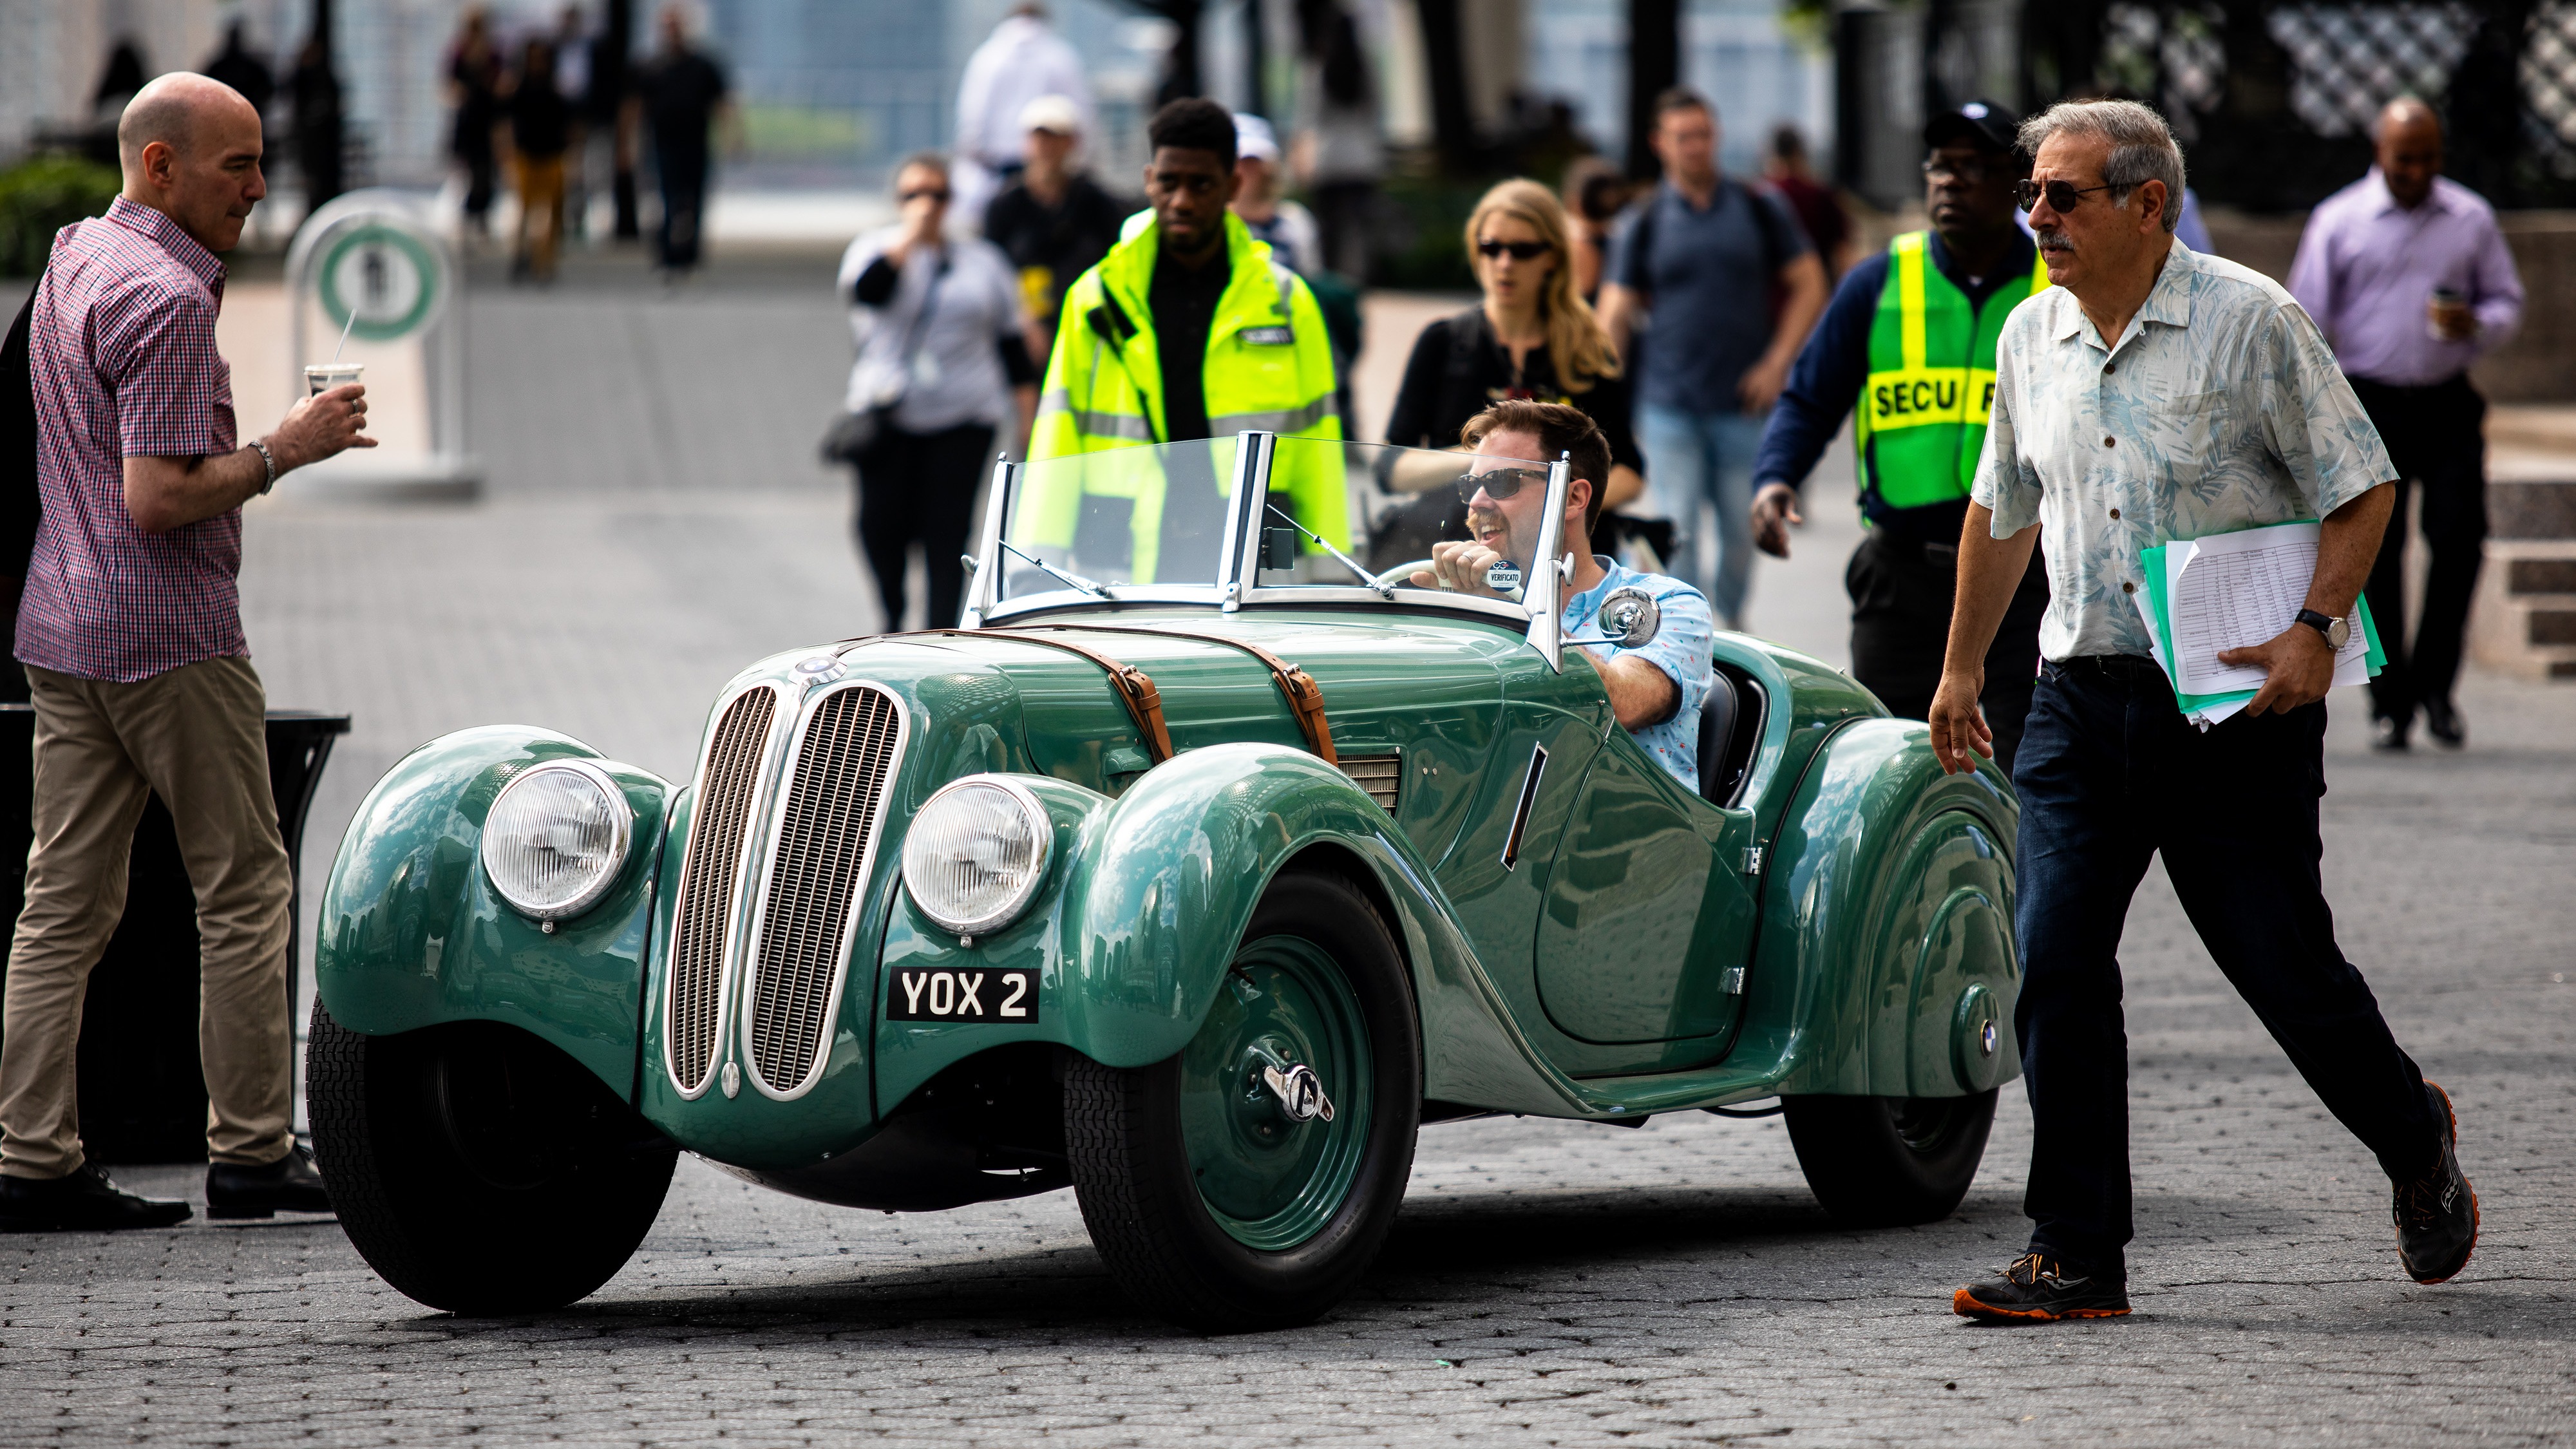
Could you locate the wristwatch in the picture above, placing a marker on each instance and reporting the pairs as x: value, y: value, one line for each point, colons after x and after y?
x: 2335, y: 630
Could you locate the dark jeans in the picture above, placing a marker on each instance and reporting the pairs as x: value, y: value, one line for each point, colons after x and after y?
x: 2109, y: 776
x: 684, y: 200
x: 1901, y: 592
x: 920, y: 488
x: 2436, y: 436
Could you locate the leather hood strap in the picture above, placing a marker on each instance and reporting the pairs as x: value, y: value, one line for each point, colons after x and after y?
x: 1134, y: 687
x: 1305, y: 697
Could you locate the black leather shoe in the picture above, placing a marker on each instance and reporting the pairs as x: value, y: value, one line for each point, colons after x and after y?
x: 2037, y: 1289
x: 2388, y: 735
x: 83, y: 1200
x: 2442, y: 722
x: 2437, y: 1214
x: 291, y: 1182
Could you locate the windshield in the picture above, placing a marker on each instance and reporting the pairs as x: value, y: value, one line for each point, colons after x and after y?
x: 1153, y: 518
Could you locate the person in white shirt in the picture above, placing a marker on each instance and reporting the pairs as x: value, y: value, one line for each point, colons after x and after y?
x: 1023, y: 59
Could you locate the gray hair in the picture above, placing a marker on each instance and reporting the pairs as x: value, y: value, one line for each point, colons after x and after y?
x: 2142, y: 146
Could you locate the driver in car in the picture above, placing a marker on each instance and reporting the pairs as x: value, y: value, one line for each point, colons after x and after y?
x: 1656, y: 688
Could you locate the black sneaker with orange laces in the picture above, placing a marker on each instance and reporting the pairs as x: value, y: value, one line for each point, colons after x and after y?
x: 2040, y: 1289
x: 2437, y: 1214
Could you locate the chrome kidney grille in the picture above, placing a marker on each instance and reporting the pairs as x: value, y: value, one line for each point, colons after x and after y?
x: 816, y: 864
x: 703, y: 916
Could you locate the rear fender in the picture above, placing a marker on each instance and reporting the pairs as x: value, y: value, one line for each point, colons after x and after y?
x: 1887, y: 940
x: 411, y: 934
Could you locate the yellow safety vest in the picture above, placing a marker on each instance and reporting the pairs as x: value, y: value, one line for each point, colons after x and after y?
x: 1922, y: 415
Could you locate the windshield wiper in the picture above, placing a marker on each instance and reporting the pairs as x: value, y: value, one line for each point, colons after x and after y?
x: 1384, y: 590
x: 1097, y: 591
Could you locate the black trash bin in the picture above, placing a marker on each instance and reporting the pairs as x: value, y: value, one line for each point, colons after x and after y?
x: 142, y: 1086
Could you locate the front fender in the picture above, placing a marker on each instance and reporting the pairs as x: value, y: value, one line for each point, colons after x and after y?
x: 1887, y: 922
x: 410, y: 933
x: 1151, y: 895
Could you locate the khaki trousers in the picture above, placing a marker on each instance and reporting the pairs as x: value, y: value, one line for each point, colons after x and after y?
x: 197, y: 737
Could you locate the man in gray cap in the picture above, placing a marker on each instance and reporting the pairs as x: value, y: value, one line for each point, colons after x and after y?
x: 1910, y: 336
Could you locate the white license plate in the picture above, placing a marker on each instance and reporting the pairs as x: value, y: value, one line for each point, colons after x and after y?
x: 1002, y: 997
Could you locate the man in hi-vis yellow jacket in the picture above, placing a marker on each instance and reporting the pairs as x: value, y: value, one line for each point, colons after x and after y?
x: 1186, y: 330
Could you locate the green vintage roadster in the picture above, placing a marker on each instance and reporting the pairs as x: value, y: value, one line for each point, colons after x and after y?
x: 1196, y: 870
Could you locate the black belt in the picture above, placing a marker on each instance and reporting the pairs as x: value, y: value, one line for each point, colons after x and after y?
x: 2117, y: 666
x: 1913, y: 550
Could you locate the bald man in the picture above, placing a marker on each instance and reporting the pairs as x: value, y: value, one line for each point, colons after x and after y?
x: 130, y: 631
x: 2407, y: 275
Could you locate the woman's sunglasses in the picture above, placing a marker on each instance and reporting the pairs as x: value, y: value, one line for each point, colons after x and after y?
x: 1522, y: 251
x: 2061, y: 194
x: 1499, y: 484
x: 934, y: 193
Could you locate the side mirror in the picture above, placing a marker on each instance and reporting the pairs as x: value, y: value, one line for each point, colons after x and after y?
x: 1630, y: 617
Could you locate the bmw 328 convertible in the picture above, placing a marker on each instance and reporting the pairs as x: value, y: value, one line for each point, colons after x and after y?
x: 1197, y: 869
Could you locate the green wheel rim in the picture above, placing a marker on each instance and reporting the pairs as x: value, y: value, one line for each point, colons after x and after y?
x: 1269, y: 1180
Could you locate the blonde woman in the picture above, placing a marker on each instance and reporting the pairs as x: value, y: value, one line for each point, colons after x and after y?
x: 1531, y: 338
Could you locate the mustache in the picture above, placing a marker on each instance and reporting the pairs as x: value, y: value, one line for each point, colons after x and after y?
x: 2055, y: 239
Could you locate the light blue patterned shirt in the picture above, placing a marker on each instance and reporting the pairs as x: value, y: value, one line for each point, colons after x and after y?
x: 1680, y: 648
x: 2221, y: 409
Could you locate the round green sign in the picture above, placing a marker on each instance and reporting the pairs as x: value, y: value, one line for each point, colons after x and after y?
x: 386, y: 275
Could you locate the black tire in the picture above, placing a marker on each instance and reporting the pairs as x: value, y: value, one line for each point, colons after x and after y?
x: 477, y: 1168
x: 1884, y: 1162
x: 1132, y: 1170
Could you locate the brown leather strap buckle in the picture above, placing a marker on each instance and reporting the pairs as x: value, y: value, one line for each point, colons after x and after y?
x: 1133, y: 686
x: 1305, y: 697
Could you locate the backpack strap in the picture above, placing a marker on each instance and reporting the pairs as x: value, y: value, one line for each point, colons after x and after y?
x: 1305, y: 697
x: 1133, y: 686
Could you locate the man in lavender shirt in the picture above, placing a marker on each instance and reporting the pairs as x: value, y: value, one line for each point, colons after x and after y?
x: 2408, y: 277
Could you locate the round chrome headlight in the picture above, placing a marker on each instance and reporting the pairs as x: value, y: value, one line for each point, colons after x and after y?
x: 976, y: 853
x: 556, y: 838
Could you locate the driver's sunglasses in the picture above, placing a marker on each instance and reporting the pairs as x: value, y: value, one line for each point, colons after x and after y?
x: 1973, y: 173
x: 934, y: 193
x: 2061, y: 194
x: 1522, y: 251
x: 1499, y: 484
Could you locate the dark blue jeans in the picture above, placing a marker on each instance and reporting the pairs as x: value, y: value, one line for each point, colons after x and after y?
x: 2109, y: 775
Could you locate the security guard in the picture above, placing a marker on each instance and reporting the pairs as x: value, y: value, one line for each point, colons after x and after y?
x: 1910, y: 336
x: 1187, y: 329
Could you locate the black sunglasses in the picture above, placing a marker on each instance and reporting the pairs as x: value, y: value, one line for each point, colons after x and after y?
x: 1499, y: 484
x: 935, y: 193
x: 2061, y: 194
x: 1521, y: 251
x: 1971, y: 172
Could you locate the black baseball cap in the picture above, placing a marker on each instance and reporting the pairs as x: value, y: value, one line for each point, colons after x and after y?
x: 1983, y: 123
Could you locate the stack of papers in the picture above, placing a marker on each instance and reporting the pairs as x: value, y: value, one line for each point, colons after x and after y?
x: 2234, y: 591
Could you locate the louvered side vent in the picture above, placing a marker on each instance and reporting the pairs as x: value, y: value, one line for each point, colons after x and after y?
x: 707, y: 879
x: 814, y: 866
x: 1380, y: 775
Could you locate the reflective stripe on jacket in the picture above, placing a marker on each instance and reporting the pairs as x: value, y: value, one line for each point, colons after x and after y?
x: 1269, y: 369
x: 1922, y: 415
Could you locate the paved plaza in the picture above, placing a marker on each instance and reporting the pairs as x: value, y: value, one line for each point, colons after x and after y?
x: 656, y: 520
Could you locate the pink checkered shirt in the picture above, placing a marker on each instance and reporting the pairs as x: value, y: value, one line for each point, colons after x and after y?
x: 121, y: 346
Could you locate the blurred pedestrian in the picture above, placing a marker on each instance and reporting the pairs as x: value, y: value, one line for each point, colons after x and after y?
x: 319, y: 138
x: 1023, y: 59
x: 1288, y: 227
x: 575, y: 51
x: 1595, y: 193
x: 1701, y: 261
x: 942, y: 365
x: 1817, y: 208
x: 1340, y: 151
x: 474, y: 96
x: 540, y: 132
x: 131, y: 634
x: 2154, y: 395
x: 1529, y: 339
x: 683, y: 95
x: 1910, y: 339
x: 2407, y: 274
x: 1054, y: 222
x: 237, y: 66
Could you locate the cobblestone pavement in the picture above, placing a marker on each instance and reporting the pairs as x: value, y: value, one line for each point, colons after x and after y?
x: 1548, y: 1283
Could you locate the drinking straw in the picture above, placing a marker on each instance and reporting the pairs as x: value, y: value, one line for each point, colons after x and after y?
x: 344, y: 334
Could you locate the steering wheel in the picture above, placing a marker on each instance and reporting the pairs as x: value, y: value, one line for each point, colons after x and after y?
x: 1402, y: 577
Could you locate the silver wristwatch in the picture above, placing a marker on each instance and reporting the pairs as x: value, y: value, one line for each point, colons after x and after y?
x: 270, y: 460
